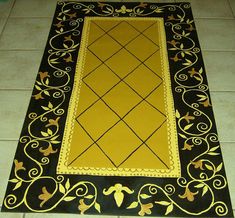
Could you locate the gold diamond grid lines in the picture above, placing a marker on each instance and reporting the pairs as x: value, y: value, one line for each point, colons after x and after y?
x: 120, y: 118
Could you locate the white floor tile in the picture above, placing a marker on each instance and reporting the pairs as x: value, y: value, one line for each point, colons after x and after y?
x: 12, y: 113
x: 216, y: 34
x: 7, y: 151
x: 2, y: 23
x: 36, y: 8
x: 223, y: 105
x: 210, y: 8
x: 25, y: 33
x: 11, y: 215
x: 232, y: 4
x: 21, y: 74
x: 220, y: 68
x: 228, y: 151
x: 5, y: 7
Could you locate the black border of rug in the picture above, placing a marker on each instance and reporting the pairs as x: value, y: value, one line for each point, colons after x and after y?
x: 34, y: 185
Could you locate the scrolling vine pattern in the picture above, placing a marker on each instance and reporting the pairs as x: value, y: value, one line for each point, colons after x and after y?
x: 44, y: 129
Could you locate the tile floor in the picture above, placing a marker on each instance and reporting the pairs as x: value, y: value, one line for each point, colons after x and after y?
x: 24, y: 26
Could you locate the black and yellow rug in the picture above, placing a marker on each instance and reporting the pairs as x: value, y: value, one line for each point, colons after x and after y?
x: 120, y: 121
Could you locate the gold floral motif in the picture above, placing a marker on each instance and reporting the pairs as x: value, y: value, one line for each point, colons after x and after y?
x: 118, y: 190
x: 45, y: 196
x: 188, y: 194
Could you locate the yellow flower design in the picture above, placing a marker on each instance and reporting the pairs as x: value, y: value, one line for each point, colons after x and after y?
x: 45, y: 196
x: 197, y: 164
x: 49, y: 150
x: 118, y: 192
x: 18, y: 165
x: 52, y: 122
x: 82, y: 206
x: 187, y: 147
x: 145, y: 209
x: 43, y: 75
x: 188, y: 194
x: 188, y: 118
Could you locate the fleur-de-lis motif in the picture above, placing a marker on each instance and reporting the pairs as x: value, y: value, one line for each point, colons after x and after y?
x: 118, y: 192
x: 123, y: 10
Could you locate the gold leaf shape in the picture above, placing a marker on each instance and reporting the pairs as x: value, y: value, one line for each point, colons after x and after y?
x: 18, y: 185
x: 209, y: 167
x: 188, y: 126
x: 89, y: 196
x: 213, y: 153
x: 169, y: 209
x: 47, y: 81
x: 165, y: 203
x: 219, y: 167
x: 46, y: 93
x: 45, y: 108
x: 49, y: 131
x: 69, y: 198
x: 97, y: 207
x: 214, y: 148
x: 38, y: 87
x: 61, y: 188
x: 50, y: 105
x: 177, y: 114
x: 199, y: 185
x: 44, y: 134
x: 202, y: 97
x: 14, y: 180
x: 65, y: 45
x: 134, y: 204
x: 183, y: 136
x: 55, y: 142
x: 118, y: 196
x: 144, y: 196
x: 201, y: 70
x: 204, y: 191
x: 67, y: 184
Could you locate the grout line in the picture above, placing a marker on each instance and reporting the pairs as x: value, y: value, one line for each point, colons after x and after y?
x: 39, y: 17
x: 210, y: 50
x: 16, y: 49
x: 217, y: 50
x: 233, y: 13
x: 212, y: 91
x: 214, y: 18
x: 16, y: 89
x: 7, y: 18
x: 226, y: 142
x: 8, y: 140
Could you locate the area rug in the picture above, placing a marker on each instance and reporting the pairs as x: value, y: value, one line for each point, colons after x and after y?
x: 120, y: 121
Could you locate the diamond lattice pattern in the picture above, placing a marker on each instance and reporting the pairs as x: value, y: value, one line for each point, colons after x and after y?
x: 120, y: 120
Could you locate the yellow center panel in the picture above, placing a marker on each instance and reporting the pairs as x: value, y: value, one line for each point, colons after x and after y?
x: 121, y: 119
